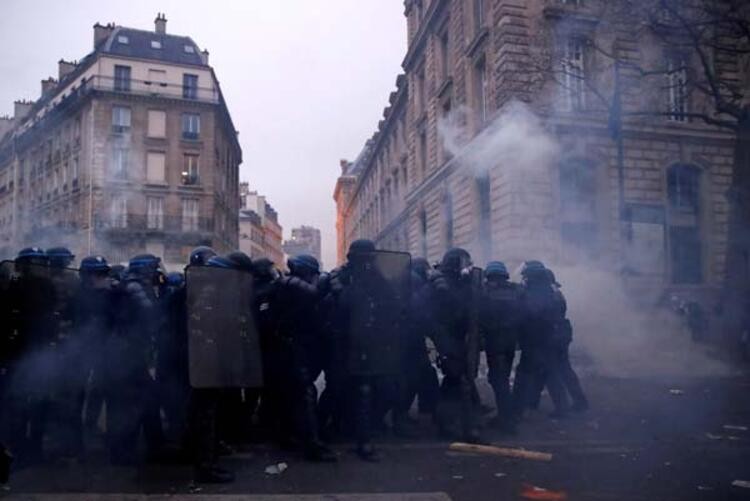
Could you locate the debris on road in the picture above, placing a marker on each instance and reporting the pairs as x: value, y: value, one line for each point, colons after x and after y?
x: 711, y: 436
x: 458, y: 477
x: 705, y: 488
x: 501, y: 475
x: 500, y: 451
x: 540, y: 494
x: 194, y: 488
x: 744, y: 484
x: 734, y: 427
x: 276, y: 469
x: 675, y: 391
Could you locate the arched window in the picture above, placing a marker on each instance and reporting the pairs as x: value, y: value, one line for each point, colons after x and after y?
x: 685, y: 249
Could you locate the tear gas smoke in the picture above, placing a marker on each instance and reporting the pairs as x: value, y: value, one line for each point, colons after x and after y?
x: 622, y: 337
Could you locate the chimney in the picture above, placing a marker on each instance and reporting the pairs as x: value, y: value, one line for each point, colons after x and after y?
x: 344, y: 165
x: 101, y: 33
x: 64, y: 68
x: 6, y: 124
x: 160, y: 24
x: 21, y: 109
x: 204, y: 57
x: 48, y: 85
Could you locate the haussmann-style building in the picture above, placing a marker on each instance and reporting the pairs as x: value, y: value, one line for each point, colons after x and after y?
x: 131, y: 149
x: 422, y: 184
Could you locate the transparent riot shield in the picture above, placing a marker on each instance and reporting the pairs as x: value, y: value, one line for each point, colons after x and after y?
x: 223, y: 341
x: 378, y: 305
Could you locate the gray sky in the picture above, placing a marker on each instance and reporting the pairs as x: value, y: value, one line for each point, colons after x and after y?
x: 306, y: 81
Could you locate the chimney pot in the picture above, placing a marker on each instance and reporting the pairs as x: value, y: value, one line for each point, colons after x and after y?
x: 48, y: 85
x: 160, y: 24
x: 101, y: 33
x: 204, y: 56
x: 21, y: 109
x: 64, y: 68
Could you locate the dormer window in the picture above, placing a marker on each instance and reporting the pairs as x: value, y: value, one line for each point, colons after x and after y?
x: 123, y: 39
x: 155, y: 44
x: 189, y: 49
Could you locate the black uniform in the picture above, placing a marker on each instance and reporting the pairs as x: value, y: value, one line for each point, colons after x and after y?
x: 452, y: 293
x: 500, y: 316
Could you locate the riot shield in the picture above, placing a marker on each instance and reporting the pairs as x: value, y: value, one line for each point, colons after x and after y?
x: 378, y: 306
x: 223, y: 341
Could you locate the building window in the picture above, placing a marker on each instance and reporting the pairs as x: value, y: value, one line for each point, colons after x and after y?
x: 480, y: 90
x: 189, y: 49
x: 676, y: 88
x: 157, y: 123
x: 478, y: 8
x: 574, y: 73
x: 122, y: 78
x: 120, y: 119
x: 422, y: 153
x: 577, y: 189
x: 683, y: 188
x: 444, y: 55
x: 421, y: 92
x: 485, y: 215
x: 74, y: 169
x: 189, y: 86
x: 119, y: 214
x: 123, y: 39
x: 191, y: 125
x: 190, y: 172
x: 683, y: 193
x: 120, y: 158
x: 155, y: 166
x: 423, y: 233
x: 189, y: 214
x: 156, y: 44
x: 448, y: 220
x: 155, y: 214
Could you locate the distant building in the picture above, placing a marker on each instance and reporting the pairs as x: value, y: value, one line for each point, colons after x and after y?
x: 305, y: 240
x: 129, y: 150
x: 260, y: 231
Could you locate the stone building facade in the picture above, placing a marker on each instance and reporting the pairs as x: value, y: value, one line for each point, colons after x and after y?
x: 260, y: 230
x: 499, y: 138
x: 305, y: 240
x: 131, y: 149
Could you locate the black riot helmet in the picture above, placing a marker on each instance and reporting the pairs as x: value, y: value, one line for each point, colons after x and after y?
x: 303, y: 265
x: 455, y: 260
x: 200, y: 255
x: 32, y: 255
x: 241, y: 260
x: 264, y: 270
x: 361, y: 252
x: 60, y: 257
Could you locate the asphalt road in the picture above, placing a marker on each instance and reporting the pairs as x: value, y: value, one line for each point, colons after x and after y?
x: 640, y: 441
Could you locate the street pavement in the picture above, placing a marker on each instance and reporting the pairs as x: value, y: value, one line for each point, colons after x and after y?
x: 673, y: 438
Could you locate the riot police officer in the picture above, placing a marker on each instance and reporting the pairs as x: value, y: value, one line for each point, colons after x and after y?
x: 130, y: 386
x: 537, y: 367
x: 560, y: 351
x: 453, y: 295
x: 32, y: 354
x: 68, y: 386
x: 298, y: 352
x: 93, y: 315
x: 204, y: 402
x: 499, y: 317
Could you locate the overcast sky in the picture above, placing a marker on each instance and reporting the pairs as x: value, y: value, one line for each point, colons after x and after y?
x: 306, y: 81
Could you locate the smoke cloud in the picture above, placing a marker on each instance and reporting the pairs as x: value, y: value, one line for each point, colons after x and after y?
x: 617, y: 332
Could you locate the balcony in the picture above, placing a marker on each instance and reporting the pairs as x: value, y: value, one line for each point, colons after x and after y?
x: 142, y: 224
x: 149, y: 88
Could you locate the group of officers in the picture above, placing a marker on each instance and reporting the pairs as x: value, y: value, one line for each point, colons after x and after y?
x: 131, y: 347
